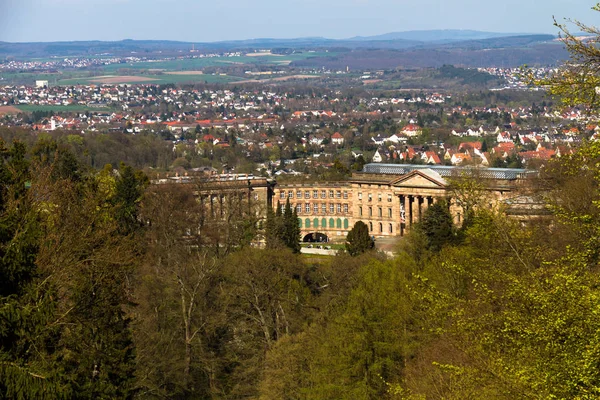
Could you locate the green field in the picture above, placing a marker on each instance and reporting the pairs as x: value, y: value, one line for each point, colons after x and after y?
x: 191, y: 64
x: 71, y: 108
x: 149, y: 69
x: 158, y: 79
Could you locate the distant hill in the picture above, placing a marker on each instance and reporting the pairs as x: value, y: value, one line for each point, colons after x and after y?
x: 397, y: 40
x: 494, y: 43
x: 536, y: 54
x: 399, y: 49
x: 440, y: 35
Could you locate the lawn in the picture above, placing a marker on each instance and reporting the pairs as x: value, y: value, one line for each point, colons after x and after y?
x: 334, y: 246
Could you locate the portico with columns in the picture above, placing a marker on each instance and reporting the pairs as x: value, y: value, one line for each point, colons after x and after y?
x: 405, y: 199
x: 415, y: 192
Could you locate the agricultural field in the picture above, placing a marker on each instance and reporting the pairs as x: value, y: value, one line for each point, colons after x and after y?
x: 280, y: 78
x: 195, y: 64
x: 158, y: 79
x: 9, y: 110
x: 186, y: 70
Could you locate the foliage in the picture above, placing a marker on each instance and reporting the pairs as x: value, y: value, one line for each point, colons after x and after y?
x: 437, y: 226
x: 358, y: 240
x: 282, y: 229
x: 64, y: 333
x: 576, y: 83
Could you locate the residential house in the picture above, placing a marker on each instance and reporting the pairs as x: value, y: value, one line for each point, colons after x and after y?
x: 430, y: 157
x: 337, y: 139
x: 411, y: 130
x: 460, y: 158
x: 504, y: 137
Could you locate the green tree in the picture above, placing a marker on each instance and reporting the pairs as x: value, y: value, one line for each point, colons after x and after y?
x: 291, y: 229
x: 63, y: 329
x: 281, y: 228
x: 176, y: 305
x: 274, y: 228
x: 484, y: 146
x: 437, y: 226
x: 128, y: 192
x: 358, y: 240
x: 266, y: 299
x: 576, y: 83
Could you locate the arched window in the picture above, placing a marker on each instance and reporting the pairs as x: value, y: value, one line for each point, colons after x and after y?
x: 379, y: 212
x: 316, y: 222
x: 338, y: 223
x: 345, y: 223
x: 370, y: 227
x: 380, y: 227
x: 331, y: 223
x: 360, y: 211
x: 323, y: 223
x: 307, y: 223
x: 300, y: 222
x: 391, y: 229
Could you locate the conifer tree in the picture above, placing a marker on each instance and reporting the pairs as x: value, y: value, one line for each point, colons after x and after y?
x: 274, y: 232
x: 358, y: 240
x: 128, y: 192
x: 291, y: 230
x: 437, y: 226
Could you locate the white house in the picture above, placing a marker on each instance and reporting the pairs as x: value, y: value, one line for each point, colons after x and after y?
x: 411, y: 130
x: 337, y: 138
x: 504, y: 137
x: 377, y: 157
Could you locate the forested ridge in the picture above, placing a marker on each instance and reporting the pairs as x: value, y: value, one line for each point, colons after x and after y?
x: 115, y: 288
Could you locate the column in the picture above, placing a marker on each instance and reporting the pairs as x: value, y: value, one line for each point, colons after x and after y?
x: 427, y: 200
x: 402, y: 211
x: 414, y: 211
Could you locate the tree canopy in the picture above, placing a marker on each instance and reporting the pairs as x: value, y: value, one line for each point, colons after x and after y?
x: 358, y: 239
x: 577, y: 82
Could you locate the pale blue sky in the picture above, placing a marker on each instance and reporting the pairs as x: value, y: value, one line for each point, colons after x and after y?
x: 204, y: 21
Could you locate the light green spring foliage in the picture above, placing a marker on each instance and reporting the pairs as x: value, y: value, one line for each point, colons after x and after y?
x: 510, y: 312
x: 577, y: 82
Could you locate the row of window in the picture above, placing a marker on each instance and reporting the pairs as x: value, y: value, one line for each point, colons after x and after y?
x: 323, y: 223
x: 333, y: 208
x: 315, y: 194
x: 390, y: 212
x: 379, y: 197
x: 337, y: 223
x: 213, y: 198
x: 390, y: 227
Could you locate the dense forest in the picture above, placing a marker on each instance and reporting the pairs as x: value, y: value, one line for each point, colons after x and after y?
x: 115, y: 288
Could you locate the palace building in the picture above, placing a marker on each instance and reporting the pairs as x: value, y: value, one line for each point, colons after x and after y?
x: 388, y: 198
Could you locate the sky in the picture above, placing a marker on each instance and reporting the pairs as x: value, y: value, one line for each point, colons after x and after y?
x: 216, y: 20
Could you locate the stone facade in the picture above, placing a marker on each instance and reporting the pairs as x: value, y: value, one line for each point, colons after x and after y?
x: 388, y: 198
x: 324, y: 208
